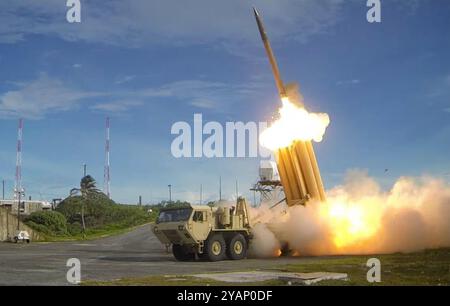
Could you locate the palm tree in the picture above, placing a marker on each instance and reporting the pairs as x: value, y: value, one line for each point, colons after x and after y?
x: 87, y: 189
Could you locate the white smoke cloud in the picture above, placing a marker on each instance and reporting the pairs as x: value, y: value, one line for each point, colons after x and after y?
x: 140, y: 22
x: 264, y: 243
x: 359, y: 218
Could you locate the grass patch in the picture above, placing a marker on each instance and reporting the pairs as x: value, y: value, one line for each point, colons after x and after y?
x: 429, y: 267
x: 175, y: 280
x: 91, y: 234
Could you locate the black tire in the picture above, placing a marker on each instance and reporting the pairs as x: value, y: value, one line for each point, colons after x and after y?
x: 16, y: 240
x: 28, y: 240
x: 181, y: 253
x: 237, y: 247
x: 215, y: 248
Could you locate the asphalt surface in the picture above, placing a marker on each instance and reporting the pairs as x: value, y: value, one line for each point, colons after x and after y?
x: 134, y: 254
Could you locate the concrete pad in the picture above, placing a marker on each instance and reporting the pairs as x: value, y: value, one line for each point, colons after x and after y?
x: 260, y: 276
x: 312, y: 278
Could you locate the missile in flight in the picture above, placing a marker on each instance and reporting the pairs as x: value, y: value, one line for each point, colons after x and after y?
x: 297, y: 164
x: 271, y: 56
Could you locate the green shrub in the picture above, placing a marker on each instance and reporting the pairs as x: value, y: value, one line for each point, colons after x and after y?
x: 95, y: 208
x: 101, y: 212
x: 39, y: 227
x: 74, y: 228
x: 48, y: 222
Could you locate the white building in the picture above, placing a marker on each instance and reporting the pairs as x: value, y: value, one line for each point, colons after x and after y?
x: 27, y: 207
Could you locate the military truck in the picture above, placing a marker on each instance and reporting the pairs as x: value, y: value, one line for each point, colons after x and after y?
x: 200, y: 231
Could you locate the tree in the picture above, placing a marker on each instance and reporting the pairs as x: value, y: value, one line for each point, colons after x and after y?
x: 87, y: 190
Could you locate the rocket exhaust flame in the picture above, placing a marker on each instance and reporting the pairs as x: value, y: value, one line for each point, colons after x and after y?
x: 294, y: 123
x: 351, y: 221
x: 360, y: 218
x: 290, y: 137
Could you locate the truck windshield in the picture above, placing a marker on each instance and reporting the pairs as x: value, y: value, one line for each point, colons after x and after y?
x: 174, y: 215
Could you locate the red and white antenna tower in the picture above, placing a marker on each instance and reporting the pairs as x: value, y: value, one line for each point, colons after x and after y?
x: 18, y: 184
x: 106, y: 175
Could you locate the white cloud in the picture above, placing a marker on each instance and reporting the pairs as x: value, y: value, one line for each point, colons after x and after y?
x: 348, y: 82
x: 116, y: 106
x: 138, y: 22
x: 203, y: 103
x: 76, y: 66
x: 409, y: 6
x: 44, y: 95
x: 11, y: 38
x: 201, y: 94
x: 208, y: 94
x: 125, y: 79
x: 37, y: 98
x: 197, y: 93
x: 440, y: 88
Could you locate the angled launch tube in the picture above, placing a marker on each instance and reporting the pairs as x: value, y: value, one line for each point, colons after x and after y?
x: 297, y: 164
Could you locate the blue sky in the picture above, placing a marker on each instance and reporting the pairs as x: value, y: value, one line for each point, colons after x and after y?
x: 148, y: 64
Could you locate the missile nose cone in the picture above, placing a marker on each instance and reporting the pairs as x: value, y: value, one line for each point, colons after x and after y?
x: 255, y: 11
x: 260, y: 25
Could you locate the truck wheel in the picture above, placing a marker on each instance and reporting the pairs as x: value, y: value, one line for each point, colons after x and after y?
x: 237, y: 247
x: 181, y: 253
x: 215, y: 248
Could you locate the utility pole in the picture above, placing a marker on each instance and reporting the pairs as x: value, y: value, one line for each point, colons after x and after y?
x: 19, y: 194
x: 201, y: 194
x: 84, y: 170
x: 237, y: 190
x: 220, y: 188
x: 18, y: 190
x: 106, y: 174
x: 140, y: 200
x: 170, y: 193
x: 3, y: 190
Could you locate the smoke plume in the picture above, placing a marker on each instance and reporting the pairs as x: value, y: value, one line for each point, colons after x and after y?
x: 359, y: 218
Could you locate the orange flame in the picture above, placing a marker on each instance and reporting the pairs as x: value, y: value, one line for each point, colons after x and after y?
x: 351, y: 223
x: 295, y: 123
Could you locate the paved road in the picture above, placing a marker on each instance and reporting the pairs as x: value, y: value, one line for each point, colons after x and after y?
x: 137, y: 253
